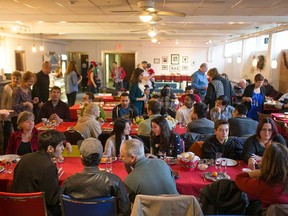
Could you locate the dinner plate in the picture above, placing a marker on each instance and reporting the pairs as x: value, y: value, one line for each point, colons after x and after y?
x: 1, y: 169
x: 103, y: 161
x: 230, y: 162
x: 12, y: 157
x: 45, y: 128
x: 221, y: 175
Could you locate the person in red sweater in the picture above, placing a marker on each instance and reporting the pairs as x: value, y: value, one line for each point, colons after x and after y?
x: 270, y: 183
x: 189, y: 90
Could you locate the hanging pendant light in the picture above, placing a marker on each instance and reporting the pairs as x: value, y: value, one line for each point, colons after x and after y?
x: 274, y: 64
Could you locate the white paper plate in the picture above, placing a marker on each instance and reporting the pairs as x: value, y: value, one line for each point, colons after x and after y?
x: 230, y: 162
x: 12, y: 157
x: 1, y: 169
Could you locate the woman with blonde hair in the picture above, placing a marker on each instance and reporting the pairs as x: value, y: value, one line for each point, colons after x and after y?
x: 22, y: 97
x: 71, y: 80
x: 270, y: 183
x: 25, y: 140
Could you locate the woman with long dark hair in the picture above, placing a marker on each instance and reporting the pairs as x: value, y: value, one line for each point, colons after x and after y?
x: 119, y: 134
x: 136, y: 90
x: 164, y: 140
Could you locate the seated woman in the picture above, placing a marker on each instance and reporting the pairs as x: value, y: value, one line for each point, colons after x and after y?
x: 269, y: 184
x: 119, y: 134
x: 25, y: 140
x: 255, y: 145
x: 163, y: 140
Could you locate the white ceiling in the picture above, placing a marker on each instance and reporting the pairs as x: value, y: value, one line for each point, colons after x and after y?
x: 215, y: 20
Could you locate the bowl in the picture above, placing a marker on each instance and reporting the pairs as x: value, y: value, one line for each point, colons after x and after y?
x: 202, y: 166
x: 187, y: 165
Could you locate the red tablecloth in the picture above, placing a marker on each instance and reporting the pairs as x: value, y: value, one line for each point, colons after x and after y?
x: 62, y: 127
x: 280, y: 117
x: 105, y: 98
x: 189, y: 182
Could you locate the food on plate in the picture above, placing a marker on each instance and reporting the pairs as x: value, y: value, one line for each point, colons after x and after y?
x: 214, y: 174
x: 103, y: 159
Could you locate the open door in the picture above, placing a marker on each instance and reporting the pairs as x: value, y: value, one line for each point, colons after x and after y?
x: 20, y: 62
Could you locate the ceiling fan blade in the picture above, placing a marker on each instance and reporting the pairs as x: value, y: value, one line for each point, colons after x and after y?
x: 131, y: 11
x: 170, y: 13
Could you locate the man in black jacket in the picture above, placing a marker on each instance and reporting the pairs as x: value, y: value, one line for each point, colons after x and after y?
x: 125, y: 109
x: 93, y: 183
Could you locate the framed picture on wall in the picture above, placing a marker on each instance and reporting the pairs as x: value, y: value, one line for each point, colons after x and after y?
x: 164, y: 67
x: 165, y: 60
x: 185, y: 67
x: 175, y: 59
x: 156, y: 60
x: 184, y: 59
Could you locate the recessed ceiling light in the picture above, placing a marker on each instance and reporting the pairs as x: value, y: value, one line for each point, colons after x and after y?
x: 40, y: 22
x: 62, y: 21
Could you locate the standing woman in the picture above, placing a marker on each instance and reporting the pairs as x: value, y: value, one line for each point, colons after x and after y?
x: 22, y: 97
x: 6, y: 103
x: 254, y: 97
x: 93, y: 78
x: 136, y: 90
x: 25, y: 140
x: 71, y: 79
x: 119, y: 134
x: 163, y: 139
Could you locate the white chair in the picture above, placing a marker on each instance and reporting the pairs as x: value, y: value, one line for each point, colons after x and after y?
x: 276, y: 210
x: 169, y: 205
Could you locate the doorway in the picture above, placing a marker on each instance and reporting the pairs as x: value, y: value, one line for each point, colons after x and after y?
x: 125, y: 60
x: 20, y: 61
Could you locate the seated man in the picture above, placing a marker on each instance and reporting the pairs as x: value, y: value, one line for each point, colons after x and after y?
x: 92, y: 183
x: 200, y: 124
x: 240, y: 125
x: 153, y: 110
x: 270, y: 90
x: 221, y: 110
x: 87, y: 124
x: 36, y: 172
x: 220, y: 142
x: 88, y: 98
x: 55, y: 109
x: 183, y: 113
x: 125, y: 109
x: 145, y: 176
x: 189, y: 90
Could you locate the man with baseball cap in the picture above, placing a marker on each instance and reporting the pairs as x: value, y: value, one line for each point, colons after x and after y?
x: 93, y: 183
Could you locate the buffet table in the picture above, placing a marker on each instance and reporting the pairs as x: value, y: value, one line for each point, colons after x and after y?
x: 189, y: 182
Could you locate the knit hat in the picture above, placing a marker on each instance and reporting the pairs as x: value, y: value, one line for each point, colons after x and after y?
x: 94, y: 63
x: 90, y: 146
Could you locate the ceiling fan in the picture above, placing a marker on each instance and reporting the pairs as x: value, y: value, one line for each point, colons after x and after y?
x: 147, y: 9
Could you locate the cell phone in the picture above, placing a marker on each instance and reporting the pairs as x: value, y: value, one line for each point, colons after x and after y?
x: 175, y: 174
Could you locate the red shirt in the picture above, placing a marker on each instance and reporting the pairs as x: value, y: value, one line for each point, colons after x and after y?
x: 197, y: 98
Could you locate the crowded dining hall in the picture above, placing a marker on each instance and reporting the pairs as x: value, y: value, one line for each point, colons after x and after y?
x: 150, y: 107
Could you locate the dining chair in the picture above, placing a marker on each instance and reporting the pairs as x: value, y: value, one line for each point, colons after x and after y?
x: 146, y: 205
x: 276, y: 209
x: 280, y: 126
x: 196, y: 148
x: 24, y: 204
x: 262, y: 116
x: 99, y: 206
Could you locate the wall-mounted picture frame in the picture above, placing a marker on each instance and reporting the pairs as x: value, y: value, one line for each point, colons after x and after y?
x: 165, y: 60
x: 175, y: 68
x: 184, y: 59
x: 164, y: 67
x: 185, y: 67
x: 174, y: 59
x: 156, y: 61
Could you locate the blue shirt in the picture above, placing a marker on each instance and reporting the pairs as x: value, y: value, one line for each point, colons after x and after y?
x: 199, y: 81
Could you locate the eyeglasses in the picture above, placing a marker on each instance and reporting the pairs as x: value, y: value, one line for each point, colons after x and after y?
x: 266, y: 130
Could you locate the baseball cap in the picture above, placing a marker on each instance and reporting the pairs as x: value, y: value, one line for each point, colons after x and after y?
x: 90, y: 146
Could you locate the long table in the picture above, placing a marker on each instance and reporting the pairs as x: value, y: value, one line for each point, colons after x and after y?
x: 188, y: 183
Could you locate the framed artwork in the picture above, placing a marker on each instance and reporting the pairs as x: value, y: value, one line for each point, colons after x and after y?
x: 174, y: 59
x: 185, y: 67
x: 165, y: 60
x: 164, y: 67
x: 175, y: 68
x: 156, y: 60
x: 184, y: 59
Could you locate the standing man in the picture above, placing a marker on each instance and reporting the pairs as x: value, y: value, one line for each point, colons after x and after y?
x: 41, y: 87
x: 36, y: 172
x: 151, y: 74
x: 145, y: 176
x: 199, y: 81
x: 118, y: 74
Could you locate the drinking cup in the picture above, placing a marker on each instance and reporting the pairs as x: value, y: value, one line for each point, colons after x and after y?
x: 109, y: 164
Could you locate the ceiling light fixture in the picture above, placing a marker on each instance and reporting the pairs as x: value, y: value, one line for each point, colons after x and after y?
x: 255, y: 59
x: 33, y: 47
x: 239, y: 60
x: 154, y: 40
x: 41, y: 48
x: 229, y: 60
x: 152, y: 33
x: 145, y: 17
